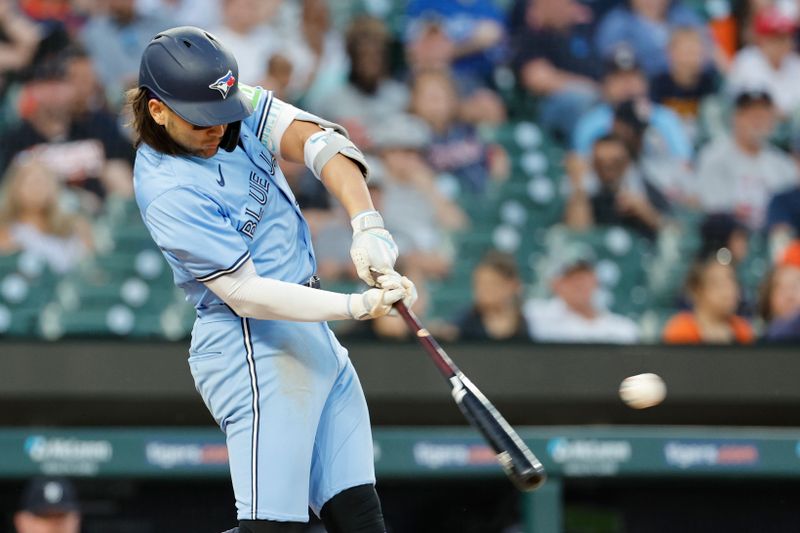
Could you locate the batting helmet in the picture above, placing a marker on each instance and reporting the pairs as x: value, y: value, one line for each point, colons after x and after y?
x: 196, y: 76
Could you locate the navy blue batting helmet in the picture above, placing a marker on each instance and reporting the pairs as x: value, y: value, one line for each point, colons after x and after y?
x: 195, y: 75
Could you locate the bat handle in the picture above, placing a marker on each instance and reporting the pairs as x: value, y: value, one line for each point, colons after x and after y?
x: 404, y: 311
x: 408, y: 316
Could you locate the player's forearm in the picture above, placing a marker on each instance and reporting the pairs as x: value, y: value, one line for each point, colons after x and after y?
x: 252, y: 296
x: 342, y: 177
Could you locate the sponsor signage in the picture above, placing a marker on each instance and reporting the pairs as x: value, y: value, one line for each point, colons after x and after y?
x: 687, y: 454
x: 595, y: 457
x: 68, y: 455
x: 169, y: 455
x: 452, y: 455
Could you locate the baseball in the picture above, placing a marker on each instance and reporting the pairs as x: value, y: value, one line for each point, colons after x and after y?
x: 642, y: 390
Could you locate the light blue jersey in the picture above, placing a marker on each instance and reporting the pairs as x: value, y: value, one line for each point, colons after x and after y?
x: 209, y: 216
x: 284, y: 393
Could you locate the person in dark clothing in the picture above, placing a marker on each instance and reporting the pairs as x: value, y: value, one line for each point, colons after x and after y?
x: 553, y: 54
x: 615, y: 193
x: 723, y: 230
x: 496, y: 312
x: 689, y: 77
x: 81, y: 144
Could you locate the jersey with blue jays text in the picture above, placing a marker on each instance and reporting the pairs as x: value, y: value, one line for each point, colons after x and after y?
x: 209, y: 216
x: 285, y: 393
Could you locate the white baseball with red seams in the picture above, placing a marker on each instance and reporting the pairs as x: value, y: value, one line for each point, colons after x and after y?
x: 643, y: 390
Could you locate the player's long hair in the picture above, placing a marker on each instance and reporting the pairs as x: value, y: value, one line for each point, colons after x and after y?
x: 146, y: 130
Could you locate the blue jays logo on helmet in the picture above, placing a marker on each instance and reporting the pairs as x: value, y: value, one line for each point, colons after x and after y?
x: 224, y: 84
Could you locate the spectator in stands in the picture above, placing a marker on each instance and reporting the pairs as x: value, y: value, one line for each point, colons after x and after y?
x: 31, y: 219
x: 779, y: 303
x: 722, y: 231
x: 739, y: 174
x: 614, y: 193
x: 783, y: 211
x: 413, y: 207
x: 624, y: 80
x: 84, y: 148
x: 48, y: 505
x: 455, y: 147
x: 645, y: 25
x: 370, y: 94
x: 466, y: 36
x: 317, y: 55
x: 68, y: 15
x: 783, y: 214
x: 432, y: 49
x: 89, y: 97
x: 555, y: 59
x: 689, y: 78
x: 247, y: 31
x: 669, y: 175
x: 200, y: 13
x: 726, y: 238
x: 712, y: 288
x: 771, y: 62
x: 589, y: 12
x: 496, y: 313
x: 19, y: 38
x: 278, y: 77
x: 116, y: 37
x: 572, y: 314
x: 92, y: 118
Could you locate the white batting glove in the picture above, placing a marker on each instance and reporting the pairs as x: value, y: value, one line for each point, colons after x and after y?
x: 375, y: 303
x: 393, y: 280
x: 373, y: 249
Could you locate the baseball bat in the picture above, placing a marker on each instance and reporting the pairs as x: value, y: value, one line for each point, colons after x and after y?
x: 517, y: 460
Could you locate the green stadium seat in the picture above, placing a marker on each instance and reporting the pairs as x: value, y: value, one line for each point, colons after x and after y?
x: 114, y: 320
x: 8, y: 262
x: 131, y: 238
x: 121, y: 211
x: 449, y: 300
x: 18, y: 321
x: 473, y: 242
x: 17, y: 290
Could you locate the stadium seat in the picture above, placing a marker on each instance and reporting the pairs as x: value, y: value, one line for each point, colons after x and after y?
x: 114, y: 320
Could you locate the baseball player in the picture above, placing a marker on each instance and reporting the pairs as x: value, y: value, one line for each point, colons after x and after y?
x: 269, y: 369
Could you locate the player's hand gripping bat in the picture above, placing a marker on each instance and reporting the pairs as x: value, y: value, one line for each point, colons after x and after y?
x: 519, y: 463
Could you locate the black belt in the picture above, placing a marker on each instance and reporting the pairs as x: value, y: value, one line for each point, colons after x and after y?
x: 313, y: 282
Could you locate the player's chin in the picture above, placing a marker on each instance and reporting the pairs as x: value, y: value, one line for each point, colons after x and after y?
x: 208, y: 151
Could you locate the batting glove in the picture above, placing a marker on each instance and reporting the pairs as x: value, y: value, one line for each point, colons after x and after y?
x: 373, y: 249
x: 375, y: 303
x: 394, y: 279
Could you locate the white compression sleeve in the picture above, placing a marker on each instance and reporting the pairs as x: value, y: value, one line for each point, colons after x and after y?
x: 250, y: 295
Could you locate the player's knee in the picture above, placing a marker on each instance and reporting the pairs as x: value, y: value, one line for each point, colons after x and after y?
x: 269, y: 526
x: 355, y: 510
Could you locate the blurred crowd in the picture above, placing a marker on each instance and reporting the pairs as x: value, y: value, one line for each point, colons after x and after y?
x: 663, y: 110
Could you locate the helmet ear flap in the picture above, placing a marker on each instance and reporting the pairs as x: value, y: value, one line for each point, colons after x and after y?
x: 231, y: 137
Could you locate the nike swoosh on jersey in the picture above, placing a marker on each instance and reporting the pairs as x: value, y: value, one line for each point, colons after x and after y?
x: 221, y: 180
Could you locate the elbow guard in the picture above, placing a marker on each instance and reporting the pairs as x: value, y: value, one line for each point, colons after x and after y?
x: 324, y: 145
